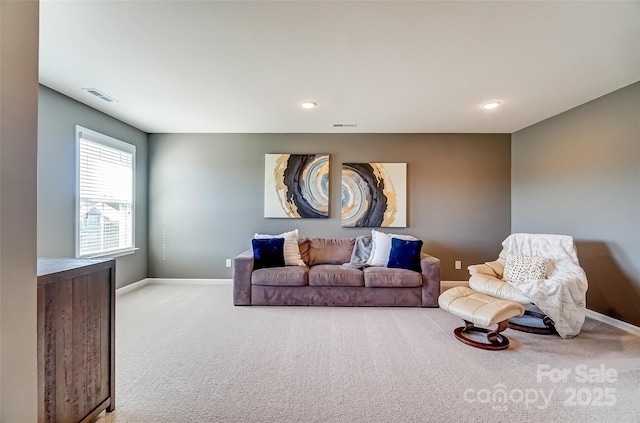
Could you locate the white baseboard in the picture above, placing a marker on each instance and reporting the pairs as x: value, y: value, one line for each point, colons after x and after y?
x: 170, y: 281
x: 132, y: 286
x: 628, y: 327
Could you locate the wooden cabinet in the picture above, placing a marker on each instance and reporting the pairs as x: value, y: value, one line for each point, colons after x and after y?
x: 76, y: 335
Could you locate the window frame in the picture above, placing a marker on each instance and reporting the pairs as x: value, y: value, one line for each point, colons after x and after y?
x: 125, y: 147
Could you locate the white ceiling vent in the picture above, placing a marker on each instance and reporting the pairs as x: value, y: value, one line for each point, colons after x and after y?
x: 100, y: 95
x: 345, y: 125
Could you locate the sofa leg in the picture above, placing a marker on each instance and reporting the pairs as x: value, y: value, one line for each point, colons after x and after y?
x: 496, y: 341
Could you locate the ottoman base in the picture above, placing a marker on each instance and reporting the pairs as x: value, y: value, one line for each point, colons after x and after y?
x: 533, y: 321
x: 496, y: 341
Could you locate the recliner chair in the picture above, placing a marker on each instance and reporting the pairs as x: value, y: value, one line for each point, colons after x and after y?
x: 544, y: 275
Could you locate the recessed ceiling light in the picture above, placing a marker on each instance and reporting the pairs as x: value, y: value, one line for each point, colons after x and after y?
x: 309, y: 104
x: 491, y: 105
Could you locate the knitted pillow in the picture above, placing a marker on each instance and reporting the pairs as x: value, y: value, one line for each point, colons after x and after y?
x: 520, y: 268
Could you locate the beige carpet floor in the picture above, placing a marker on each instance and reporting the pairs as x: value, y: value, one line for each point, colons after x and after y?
x: 185, y: 354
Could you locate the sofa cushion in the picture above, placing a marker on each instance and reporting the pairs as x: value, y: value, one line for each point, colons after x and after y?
x: 267, y: 252
x: 303, y: 246
x: 335, y: 275
x: 281, y: 276
x: 330, y: 250
x: 384, y: 277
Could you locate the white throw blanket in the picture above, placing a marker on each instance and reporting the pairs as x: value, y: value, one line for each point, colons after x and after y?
x: 562, y: 296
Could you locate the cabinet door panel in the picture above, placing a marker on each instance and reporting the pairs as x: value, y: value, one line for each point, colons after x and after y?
x: 80, y: 369
x: 94, y: 349
x: 41, y: 353
x: 103, y: 286
x: 62, y: 331
x: 75, y: 336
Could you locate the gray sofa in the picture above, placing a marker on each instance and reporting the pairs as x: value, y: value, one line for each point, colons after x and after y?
x: 325, y: 282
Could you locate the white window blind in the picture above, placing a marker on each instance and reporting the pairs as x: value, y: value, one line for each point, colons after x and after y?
x: 105, y: 200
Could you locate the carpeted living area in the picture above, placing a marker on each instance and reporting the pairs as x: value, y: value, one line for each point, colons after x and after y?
x: 186, y: 354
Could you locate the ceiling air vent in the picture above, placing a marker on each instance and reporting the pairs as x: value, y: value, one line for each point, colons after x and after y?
x: 345, y: 125
x: 100, y: 95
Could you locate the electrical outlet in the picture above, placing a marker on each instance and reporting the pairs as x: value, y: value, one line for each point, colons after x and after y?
x: 228, y: 263
x: 458, y: 264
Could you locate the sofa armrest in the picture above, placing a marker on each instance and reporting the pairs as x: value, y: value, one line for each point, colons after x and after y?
x: 242, y: 268
x: 430, y: 280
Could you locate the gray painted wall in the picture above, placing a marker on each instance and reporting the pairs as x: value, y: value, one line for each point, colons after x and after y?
x: 18, y: 143
x: 206, y: 195
x: 578, y: 173
x: 56, y: 179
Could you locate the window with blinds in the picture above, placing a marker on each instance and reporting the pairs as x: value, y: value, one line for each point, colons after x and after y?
x: 105, y: 194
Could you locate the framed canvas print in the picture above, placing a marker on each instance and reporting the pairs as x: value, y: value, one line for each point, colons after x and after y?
x: 296, y: 186
x: 374, y: 195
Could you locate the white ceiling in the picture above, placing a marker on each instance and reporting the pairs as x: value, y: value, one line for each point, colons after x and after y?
x: 392, y: 66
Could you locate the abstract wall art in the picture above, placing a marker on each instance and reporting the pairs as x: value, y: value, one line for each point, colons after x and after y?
x: 374, y: 195
x: 296, y: 186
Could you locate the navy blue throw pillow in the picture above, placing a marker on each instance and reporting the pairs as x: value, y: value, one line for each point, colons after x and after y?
x: 405, y: 254
x: 268, y: 252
